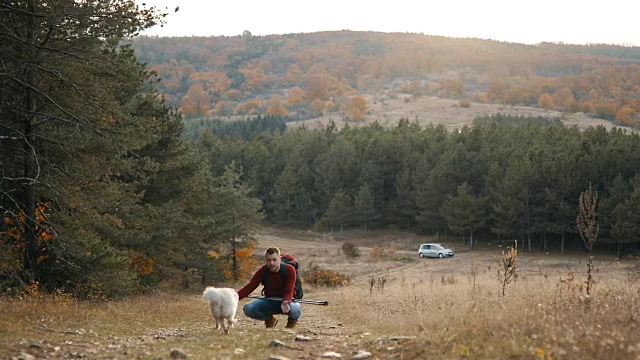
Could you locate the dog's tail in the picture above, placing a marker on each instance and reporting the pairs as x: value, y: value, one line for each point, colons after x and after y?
x: 209, y: 294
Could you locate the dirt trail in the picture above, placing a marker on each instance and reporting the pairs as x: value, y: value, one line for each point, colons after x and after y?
x: 318, y: 335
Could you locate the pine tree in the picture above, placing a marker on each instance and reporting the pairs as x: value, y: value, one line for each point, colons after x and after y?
x: 72, y: 94
x: 339, y: 211
x: 236, y: 214
x: 365, y: 206
x: 464, y: 212
x: 625, y: 218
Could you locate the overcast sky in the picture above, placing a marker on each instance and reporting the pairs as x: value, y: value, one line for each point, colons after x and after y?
x: 568, y: 21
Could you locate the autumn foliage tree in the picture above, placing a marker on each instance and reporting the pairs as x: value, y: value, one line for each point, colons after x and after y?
x: 317, y: 107
x: 545, y: 101
x: 216, y: 81
x: 329, y: 106
x: 246, y: 262
x: 295, y: 97
x: 250, y: 107
x: 294, y: 74
x: 317, y: 88
x: 195, y: 101
x: 275, y: 106
x: 224, y: 108
x: 625, y: 116
x: 357, y: 108
x: 587, y: 107
x: 564, y: 99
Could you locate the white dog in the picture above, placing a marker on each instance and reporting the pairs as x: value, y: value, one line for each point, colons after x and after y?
x: 224, y: 304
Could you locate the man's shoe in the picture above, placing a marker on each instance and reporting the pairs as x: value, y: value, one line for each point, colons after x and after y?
x: 291, y: 323
x: 271, y: 322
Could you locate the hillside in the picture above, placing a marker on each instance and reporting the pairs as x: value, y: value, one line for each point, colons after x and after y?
x: 345, y: 74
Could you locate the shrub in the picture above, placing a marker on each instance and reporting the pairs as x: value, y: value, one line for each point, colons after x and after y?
x: 323, y: 277
x: 464, y: 103
x: 350, y: 250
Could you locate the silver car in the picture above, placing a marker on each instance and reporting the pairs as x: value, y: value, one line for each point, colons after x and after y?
x: 434, y: 250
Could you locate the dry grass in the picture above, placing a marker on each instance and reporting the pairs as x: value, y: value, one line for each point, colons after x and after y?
x: 446, y: 309
x: 541, y: 317
x: 454, y: 308
x: 125, y: 317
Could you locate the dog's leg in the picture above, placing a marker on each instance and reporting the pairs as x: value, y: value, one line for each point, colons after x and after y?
x: 214, y: 314
x: 226, y: 327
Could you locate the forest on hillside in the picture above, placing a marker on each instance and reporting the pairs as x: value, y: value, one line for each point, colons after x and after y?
x: 341, y: 72
x: 505, y: 177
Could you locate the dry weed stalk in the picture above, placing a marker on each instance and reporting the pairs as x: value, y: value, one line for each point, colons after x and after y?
x: 507, y: 267
x: 568, y: 290
x: 588, y: 227
x: 378, y: 283
x: 475, y: 269
x: 448, y: 280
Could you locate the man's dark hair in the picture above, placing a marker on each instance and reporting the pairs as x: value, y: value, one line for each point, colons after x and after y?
x: 273, y: 250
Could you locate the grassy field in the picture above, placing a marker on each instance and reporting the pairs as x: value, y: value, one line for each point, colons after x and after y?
x: 397, y: 307
x: 435, y: 110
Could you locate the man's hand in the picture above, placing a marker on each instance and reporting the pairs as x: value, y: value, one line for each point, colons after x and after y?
x: 285, y: 307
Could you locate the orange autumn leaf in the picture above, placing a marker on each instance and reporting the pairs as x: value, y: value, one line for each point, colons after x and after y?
x: 141, y: 265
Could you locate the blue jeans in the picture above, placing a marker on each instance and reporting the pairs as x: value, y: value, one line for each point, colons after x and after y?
x: 261, y: 309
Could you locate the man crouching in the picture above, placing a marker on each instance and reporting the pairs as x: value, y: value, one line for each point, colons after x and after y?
x: 276, y: 284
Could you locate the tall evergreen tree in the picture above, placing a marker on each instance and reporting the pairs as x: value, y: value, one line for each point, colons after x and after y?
x: 73, y: 128
x: 283, y: 196
x: 403, y: 208
x: 339, y: 212
x: 335, y: 170
x: 365, y: 206
x: 236, y: 213
x: 464, y: 212
x: 500, y: 220
x: 626, y: 218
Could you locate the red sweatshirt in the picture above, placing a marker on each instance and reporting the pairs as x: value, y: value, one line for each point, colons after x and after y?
x: 276, y: 286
